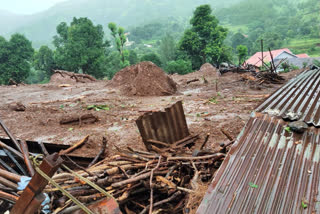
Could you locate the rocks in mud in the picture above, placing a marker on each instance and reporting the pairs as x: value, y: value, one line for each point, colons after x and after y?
x: 17, y: 106
x: 144, y: 79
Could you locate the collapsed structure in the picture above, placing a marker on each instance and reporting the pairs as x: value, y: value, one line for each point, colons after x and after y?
x: 273, y: 167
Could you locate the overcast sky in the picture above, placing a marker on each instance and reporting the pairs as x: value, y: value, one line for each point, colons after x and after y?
x: 27, y: 6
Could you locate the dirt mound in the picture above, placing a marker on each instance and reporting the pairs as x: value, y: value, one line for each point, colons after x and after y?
x: 61, y: 77
x: 144, y: 79
x: 207, y: 67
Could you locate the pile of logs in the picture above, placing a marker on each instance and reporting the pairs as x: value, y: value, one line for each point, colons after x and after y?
x: 262, y: 78
x: 140, y: 181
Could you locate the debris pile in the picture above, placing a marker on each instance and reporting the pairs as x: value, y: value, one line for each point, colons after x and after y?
x: 64, y: 77
x: 262, y: 78
x: 144, y: 79
x: 135, y: 178
x: 165, y: 179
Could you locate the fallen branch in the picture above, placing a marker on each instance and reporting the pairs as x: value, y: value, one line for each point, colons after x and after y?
x: 151, y: 187
x: 76, y: 120
x: 214, y: 156
x: 101, y: 152
x: 176, y: 194
x: 80, y: 143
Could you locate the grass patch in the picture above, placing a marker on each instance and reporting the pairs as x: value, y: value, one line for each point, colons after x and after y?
x: 305, y: 45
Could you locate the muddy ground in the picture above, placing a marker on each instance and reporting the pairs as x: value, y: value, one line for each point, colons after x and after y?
x: 207, y: 110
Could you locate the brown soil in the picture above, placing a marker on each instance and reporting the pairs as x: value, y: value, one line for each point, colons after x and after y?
x: 207, y: 67
x: 144, y: 79
x: 207, y: 110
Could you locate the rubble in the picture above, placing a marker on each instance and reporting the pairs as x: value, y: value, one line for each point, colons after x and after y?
x: 169, y: 174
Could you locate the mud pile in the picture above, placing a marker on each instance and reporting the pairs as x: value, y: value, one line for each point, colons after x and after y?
x: 144, y: 79
x: 62, y: 77
x: 208, y: 68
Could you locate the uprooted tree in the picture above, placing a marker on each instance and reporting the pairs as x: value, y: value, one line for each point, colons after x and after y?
x: 203, y: 42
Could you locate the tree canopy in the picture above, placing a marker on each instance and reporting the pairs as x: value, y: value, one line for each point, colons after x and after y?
x: 80, y: 47
x: 15, y: 57
x: 203, y: 42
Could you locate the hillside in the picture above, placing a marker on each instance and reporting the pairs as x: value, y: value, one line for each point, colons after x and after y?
x: 41, y: 27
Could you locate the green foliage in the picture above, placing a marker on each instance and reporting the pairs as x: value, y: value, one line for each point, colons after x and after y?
x: 113, y: 64
x: 213, y: 100
x: 120, y: 39
x: 316, y: 62
x: 286, y: 67
x: 271, y: 40
x: 304, y: 205
x: 242, y: 52
x: 133, y: 57
x: 43, y: 60
x: 167, y: 49
x: 157, y: 30
x: 152, y: 57
x: 80, y: 47
x: 37, y: 76
x: 252, y: 185
x: 15, y: 56
x: 98, y: 107
x: 288, y: 129
x: 203, y: 42
x: 180, y: 67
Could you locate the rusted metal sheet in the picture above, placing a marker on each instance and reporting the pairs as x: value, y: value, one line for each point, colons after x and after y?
x: 168, y: 126
x: 268, y: 170
x: 299, y: 99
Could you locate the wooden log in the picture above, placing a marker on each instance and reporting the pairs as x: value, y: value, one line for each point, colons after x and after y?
x: 101, y: 152
x: 176, y: 194
x: 25, y: 152
x: 9, y: 148
x: 78, y: 120
x: 216, y: 156
x: 73, y: 147
x: 37, y: 184
x: 7, y: 196
x: 135, y: 179
x: 8, y: 183
x: 13, y: 139
x: 35, y: 204
x: 9, y: 175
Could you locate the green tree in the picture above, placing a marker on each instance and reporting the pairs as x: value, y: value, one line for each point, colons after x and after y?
x: 133, y: 57
x: 203, y: 42
x: 152, y: 57
x: 113, y: 64
x: 15, y: 57
x: 242, y: 52
x: 120, y: 40
x: 167, y: 49
x: 180, y: 67
x: 43, y: 60
x: 80, y: 47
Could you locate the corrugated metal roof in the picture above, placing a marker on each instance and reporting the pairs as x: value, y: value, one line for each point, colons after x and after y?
x: 168, y: 126
x: 268, y: 170
x: 299, y: 99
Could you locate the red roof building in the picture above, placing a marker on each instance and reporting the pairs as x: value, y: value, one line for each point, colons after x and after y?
x: 256, y: 58
x: 304, y: 55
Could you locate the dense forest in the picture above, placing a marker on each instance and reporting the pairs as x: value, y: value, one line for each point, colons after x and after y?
x: 97, y: 38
